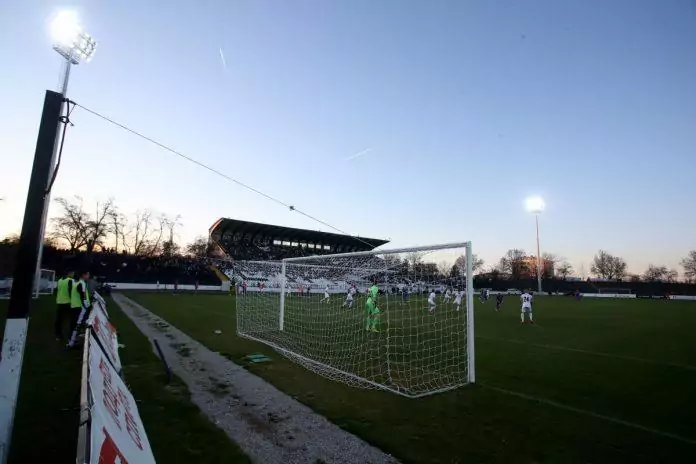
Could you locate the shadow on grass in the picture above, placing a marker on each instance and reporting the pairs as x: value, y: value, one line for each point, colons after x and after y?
x: 46, y: 420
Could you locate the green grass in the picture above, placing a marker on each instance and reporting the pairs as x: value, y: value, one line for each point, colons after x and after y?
x: 47, y: 416
x: 593, y: 381
x: 49, y: 394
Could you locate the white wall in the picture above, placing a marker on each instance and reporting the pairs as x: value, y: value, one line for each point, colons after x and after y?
x: 682, y: 297
x: 153, y: 287
x: 609, y: 295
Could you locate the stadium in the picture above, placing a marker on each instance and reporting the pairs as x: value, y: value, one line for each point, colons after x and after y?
x: 278, y: 296
x: 187, y: 272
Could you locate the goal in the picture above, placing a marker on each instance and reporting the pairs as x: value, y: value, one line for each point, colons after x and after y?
x: 322, y: 312
x: 44, y: 284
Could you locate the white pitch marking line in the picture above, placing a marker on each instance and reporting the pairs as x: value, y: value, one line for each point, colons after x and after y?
x: 591, y: 414
x: 593, y: 353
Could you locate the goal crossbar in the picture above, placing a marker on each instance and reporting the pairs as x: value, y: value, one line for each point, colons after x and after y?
x: 446, y: 246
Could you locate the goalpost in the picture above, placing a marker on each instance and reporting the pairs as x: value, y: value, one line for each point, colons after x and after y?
x: 44, y: 284
x: 396, y: 341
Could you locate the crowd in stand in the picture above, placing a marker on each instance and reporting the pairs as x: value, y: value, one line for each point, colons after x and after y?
x: 117, y: 267
x: 109, y: 266
x: 267, y: 251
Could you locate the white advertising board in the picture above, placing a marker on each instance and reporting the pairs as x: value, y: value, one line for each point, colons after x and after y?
x: 609, y: 295
x: 100, y: 301
x: 106, y: 333
x: 117, y: 435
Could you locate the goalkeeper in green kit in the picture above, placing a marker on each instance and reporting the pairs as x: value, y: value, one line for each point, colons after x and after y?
x: 373, y: 313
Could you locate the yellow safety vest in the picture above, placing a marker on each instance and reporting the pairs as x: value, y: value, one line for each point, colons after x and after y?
x: 75, y: 300
x: 63, y: 290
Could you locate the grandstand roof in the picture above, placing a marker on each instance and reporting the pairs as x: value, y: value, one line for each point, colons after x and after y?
x: 338, y: 242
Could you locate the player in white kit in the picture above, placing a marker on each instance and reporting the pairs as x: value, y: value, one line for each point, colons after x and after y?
x: 448, y: 295
x: 458, y: 295
x: 326, y: 295
x: 431, y: 302
x: 349, y: 298
x: 526, y: 307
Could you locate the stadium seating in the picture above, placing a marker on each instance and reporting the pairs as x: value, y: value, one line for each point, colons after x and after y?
x: 120, y: 267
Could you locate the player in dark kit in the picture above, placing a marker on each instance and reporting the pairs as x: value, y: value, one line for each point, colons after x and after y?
x: 499, y: 301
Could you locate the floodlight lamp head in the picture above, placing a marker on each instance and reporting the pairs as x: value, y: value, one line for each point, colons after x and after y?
x: 534, y: 204
x: 70, y: 40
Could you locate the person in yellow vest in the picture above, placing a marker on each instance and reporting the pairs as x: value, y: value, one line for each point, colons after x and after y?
x: 63, y: 290
x: 79, y: 305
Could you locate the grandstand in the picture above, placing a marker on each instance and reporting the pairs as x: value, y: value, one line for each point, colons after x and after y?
x: 255, y: 241
x: 252, y: 241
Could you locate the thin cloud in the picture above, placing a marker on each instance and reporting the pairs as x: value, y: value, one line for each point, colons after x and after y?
x: 359, y: 154
x: 222, y: 59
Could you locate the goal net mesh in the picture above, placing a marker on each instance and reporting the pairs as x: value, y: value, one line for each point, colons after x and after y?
x: 321, y: 313
x: 46, y: 282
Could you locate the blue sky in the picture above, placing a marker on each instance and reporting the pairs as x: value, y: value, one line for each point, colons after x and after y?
x: 466, y: 107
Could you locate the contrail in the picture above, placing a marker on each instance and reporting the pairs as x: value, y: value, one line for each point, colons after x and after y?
x: 222, y: 58
x: 360, y: 153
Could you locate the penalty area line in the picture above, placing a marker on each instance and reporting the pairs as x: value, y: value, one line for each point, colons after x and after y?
x: 585, y: 412
x: 589, y: 352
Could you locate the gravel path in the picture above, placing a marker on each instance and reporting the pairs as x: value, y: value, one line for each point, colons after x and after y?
x: 267, y: 424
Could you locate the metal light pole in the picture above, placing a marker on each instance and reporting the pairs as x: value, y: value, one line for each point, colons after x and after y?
x: 72, y: 43
x: 539, y: 266
x: 75, y: 46
x: 536, y: 205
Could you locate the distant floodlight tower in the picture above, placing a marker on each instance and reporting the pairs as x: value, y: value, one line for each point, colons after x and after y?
x: 536, y: 205
x: 71, y: 42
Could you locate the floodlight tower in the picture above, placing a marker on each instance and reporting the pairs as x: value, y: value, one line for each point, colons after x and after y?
x: 76, y: 46
x: 71, y: 42
x: 536, y: 205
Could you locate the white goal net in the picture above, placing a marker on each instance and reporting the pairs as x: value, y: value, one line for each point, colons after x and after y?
x: 44, y: 284
x: 399, y: 320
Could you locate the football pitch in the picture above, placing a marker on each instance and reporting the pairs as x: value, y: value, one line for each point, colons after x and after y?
x: 596, y: 380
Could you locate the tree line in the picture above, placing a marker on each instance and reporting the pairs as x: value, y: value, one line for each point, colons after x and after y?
x: 148, y: 233
x: 516, y: 263
x: 104, y: 227
x: 604, y: 266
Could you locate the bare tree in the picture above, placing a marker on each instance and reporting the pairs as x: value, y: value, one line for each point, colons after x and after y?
x: 171, y: 225
x: 444, y: 268
x: 71, y: 224
x: 564, y: 268
x: 689, y: 265
x: 672, y: 275
x: 608, y: 266
x: 118, y: 225
x: 548, y: 265
x: 155, y: 247
x: 414, y: 258
x: 513, y: 263
x: 201, y: 247
x: 476, y: 263
x: 98, y: 227
x: 633, y: 277
x: 170, y: 249
x: 139, y: 233
x: 12, y: 239
x: 655, y: 273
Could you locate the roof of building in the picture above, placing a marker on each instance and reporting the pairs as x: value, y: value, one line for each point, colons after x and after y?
x: 338, y: 242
